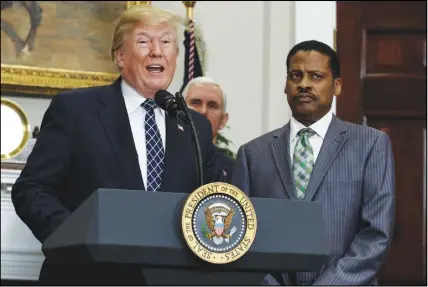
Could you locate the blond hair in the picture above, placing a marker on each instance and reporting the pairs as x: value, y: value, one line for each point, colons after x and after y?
x: 141, y: 14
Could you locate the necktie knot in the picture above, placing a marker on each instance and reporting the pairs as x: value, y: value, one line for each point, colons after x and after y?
x: 149, y: 105
x: 307, y: 132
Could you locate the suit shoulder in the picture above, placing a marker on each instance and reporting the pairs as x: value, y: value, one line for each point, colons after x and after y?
x: 81, y: 96
x: 197, y: 117
x: 363, y: 132
x: 262, y: 140
x: 202, y: 125
x: 74, y: 102
x: 200, y: 120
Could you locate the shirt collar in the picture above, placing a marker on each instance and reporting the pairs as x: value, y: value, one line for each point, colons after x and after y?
x: 320, y: 127
x: 133, y: 100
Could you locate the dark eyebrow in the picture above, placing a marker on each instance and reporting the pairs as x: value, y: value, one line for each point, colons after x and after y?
x: 213, y: 102
x: 309, y: 71
x: 316, y: 71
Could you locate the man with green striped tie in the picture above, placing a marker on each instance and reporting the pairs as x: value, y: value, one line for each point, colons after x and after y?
x: 349, y: 168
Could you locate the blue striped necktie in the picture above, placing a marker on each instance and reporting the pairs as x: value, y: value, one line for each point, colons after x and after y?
x: 154, y: 148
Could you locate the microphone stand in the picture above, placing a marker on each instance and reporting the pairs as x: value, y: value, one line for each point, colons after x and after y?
x: 184, y: 108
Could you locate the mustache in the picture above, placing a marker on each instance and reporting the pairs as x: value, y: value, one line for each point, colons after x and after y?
x: 304, y: 95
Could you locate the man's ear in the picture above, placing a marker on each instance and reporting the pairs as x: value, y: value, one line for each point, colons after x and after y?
x: 337, y: 86
x: 224, y: 121
x: 119, y: 56
x: 286, y: 85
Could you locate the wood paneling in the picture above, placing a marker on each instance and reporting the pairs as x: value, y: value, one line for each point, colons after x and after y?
x: 383, y: 70
x: 394, y: 53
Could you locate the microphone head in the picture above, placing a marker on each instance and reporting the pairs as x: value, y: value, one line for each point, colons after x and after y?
x: 162, y: 98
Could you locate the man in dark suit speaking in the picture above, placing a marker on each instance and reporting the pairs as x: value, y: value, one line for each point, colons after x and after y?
x: 348, y: 168
x: 112, y: 136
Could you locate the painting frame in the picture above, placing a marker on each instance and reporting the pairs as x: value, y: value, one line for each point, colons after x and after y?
x: 38, y: 81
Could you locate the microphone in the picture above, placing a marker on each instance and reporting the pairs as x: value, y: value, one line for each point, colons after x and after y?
x: 176, y: 108
x: 167, y: 102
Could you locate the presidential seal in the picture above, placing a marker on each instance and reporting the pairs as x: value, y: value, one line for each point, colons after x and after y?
x: 219, y: 223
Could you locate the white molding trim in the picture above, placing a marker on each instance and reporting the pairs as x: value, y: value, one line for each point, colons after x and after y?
x: 21, y: 255
x: 21, y: 264
x: 278, y: 38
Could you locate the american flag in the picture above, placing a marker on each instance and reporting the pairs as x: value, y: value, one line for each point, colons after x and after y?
x: 192, y: 62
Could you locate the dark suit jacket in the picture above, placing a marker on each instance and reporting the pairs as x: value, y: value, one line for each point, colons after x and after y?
x: 353, y: 178
x: 225, y: 166
x: 85, y: 143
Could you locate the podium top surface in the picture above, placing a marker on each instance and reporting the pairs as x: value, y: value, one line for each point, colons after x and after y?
x: 138, y: 227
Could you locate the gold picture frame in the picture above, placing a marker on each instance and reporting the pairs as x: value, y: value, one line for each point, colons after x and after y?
x: 24, y: 127
x: 31, y: 80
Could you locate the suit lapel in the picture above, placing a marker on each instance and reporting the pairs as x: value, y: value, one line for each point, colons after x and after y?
x: 332, y: 144
x: 115, y: 121
x: 281, y: 154
x: 175, y: 149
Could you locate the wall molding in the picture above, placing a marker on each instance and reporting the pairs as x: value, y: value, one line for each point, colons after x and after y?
x: 21, y: 255
x: 21, y: 264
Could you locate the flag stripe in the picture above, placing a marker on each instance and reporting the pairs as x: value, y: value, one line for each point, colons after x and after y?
x: 192, y: 63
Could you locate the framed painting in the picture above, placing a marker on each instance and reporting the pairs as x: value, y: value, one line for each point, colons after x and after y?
x: 49, y: 46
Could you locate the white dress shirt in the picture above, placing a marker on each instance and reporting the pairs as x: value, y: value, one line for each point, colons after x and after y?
x: 320, y: 128
x: 137, y: 114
